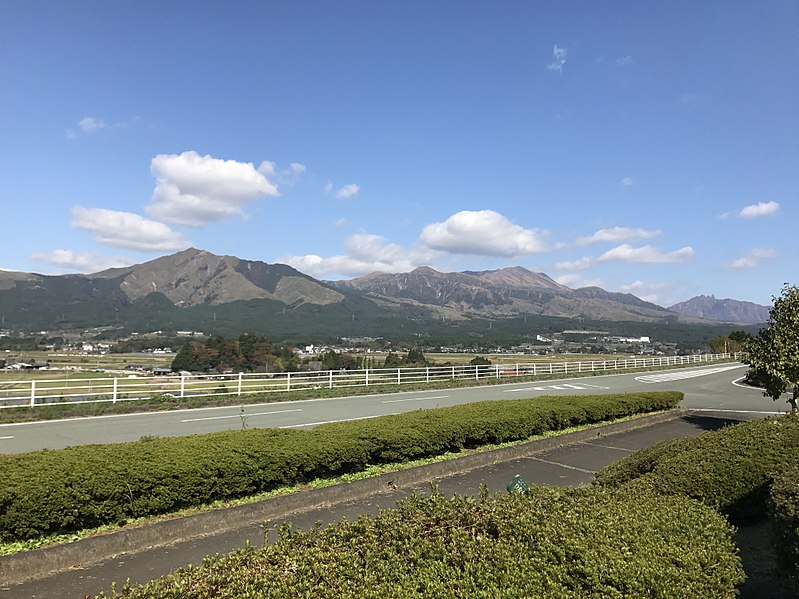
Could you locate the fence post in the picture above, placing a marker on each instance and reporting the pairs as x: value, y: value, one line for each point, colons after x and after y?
x: 453, y: 373
x: 476, y: 372
x: 182, y: 385
x: 331, y: 380
x: 497, y: 368
x: 114, y: 396
x: 550, y: 368
x: 427, y: 374
x: 399, y: 376
x: 367, y: 378
x: 239, y: 388
x: 33, y: 392
x: 288, y: 381
x: 517, y: 370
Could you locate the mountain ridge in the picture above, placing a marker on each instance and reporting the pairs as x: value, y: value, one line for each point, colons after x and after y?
x: 722, y: 310
x: 198, y: 290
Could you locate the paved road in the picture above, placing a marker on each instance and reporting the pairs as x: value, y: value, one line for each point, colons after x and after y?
x: 708, y: 387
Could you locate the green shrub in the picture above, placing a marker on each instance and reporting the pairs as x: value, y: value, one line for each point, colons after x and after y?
x: 546, y: 543
x: 784, y: 517
x: 730, y: 469
x: 81, y: 487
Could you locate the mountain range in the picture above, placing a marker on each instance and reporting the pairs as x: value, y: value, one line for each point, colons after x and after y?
x: 723, y: 310
x: 197, y: 290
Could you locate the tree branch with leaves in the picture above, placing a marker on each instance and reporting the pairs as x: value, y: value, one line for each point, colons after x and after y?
x: 773, y: 355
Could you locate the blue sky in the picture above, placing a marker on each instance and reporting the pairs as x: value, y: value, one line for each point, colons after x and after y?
x: 647, y: 147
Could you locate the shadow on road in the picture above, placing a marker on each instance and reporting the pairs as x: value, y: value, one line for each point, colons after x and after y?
x: 710, y: 423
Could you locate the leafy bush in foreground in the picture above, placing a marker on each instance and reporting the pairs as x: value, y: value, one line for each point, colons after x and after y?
x: 547, y: 543
x: 730, y: 469
x: 82, y: 487
x: 784, y: 516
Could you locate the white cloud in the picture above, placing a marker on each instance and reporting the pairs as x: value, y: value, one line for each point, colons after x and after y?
x: 90, y: 124
x: 365, y: 253
x: 581, y: 264
x: 626, y: 253
x: 196, y: 190
x: 559, y: 59
x: 759, y: 209
x: 649, y: 292
x: 624, y: 61
x: 627, y: 181
x: 87, y: 262
x: 286, y: 176
x: 484, y: 233
x: 127, y: 230
x: 645, y: 254
x: 575, y: 281
x: 616, y: 234
x: 348, y: 191
x: 753, y: 258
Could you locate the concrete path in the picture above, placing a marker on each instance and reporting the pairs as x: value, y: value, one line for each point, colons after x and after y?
x: 568, y: 465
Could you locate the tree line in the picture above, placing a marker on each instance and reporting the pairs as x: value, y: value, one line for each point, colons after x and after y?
x: 248, y: 353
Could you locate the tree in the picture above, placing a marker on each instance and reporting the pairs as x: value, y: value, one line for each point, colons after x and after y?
x: 480, y: 361
x: 415, y: 358
x: 392, y: 361
x: 773, y: 355
x: 185, y: 360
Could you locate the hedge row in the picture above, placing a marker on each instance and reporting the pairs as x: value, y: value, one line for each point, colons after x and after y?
x: 83, y: 487
x: 730, y: 469
x: 784, y: 516
x: 552, y: 543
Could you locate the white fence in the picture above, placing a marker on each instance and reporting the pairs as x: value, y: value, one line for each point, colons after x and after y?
x: 60, y: 391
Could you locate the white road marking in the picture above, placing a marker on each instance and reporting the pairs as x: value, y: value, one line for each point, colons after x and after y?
x: 735, y: 411
x: 608, y: 447
x: 242, y: 415
x: 4, y: 438
x: 334, y: 421
x: 415, y: 399
x: 564, y: 387
x: 561, y: 465
x: 679, y: 375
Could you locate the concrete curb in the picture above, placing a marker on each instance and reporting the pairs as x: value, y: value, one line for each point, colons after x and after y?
x: 39, y: 563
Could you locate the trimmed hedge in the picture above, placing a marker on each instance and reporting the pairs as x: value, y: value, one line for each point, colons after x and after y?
x: 730, y: 469
x: 784, y: 516
x: 548, y: 542
x: 82, y: 487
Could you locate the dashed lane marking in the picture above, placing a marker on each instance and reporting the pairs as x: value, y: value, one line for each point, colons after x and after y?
x: 415, y: 399
x: 242, y: 415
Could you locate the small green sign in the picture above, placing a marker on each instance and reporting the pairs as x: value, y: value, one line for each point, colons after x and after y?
x: 517, y: 485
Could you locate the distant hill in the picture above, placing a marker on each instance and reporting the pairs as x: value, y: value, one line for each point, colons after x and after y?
x: 196, y: 290
x: 505, y: 292
x: 722, y: 310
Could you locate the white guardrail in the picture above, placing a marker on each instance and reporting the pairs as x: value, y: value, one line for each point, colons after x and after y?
x: 59, y: 391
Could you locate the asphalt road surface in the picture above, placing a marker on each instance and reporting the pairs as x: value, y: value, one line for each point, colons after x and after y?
x: 713, y: 388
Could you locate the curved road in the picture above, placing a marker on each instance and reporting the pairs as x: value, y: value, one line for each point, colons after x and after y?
x: 712, y: 388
